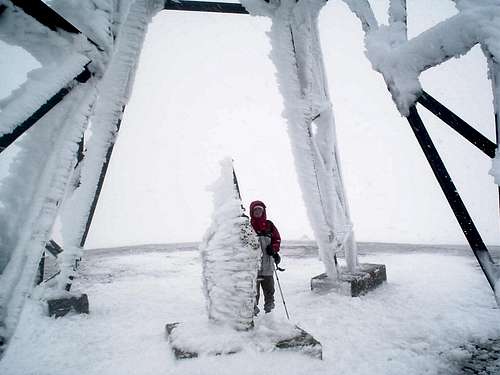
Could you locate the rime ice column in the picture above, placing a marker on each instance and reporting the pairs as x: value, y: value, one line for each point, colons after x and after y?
x: 230, y: 254
x: 44, y: 158
x: 296, y: 52
x: 114, y: 91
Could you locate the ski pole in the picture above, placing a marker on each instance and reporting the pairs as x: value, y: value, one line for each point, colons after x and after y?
x: 281, y: 292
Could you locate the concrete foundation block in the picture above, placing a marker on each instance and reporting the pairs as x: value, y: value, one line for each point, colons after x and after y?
x: 61, y: 306
x: 298, y: 340
x: 367, y: 277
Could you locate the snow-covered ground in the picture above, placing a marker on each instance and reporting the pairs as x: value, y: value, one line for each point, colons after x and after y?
x: 435, y: 301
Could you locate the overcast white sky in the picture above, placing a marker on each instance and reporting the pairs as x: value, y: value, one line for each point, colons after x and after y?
x: 205, y: 89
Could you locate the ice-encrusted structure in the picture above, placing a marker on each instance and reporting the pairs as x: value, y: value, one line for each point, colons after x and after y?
x: 46, y: 178
x: 401, y: 61
x: 230, y: 255
x: 296, y: 53
x: 43, y: 174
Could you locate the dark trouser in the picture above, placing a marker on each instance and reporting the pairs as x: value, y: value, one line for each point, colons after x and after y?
x: 267, y: 284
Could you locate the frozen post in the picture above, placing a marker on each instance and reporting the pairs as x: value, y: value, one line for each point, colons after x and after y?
x: 296, y: 53
x: 230, y: 257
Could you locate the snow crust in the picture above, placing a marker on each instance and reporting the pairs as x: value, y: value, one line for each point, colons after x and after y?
x: 230, y: 255
x: 495, y: 167
x: 260, y: 8
x: 402, y: 62
x: 397, y: 11
x: 19, y: 29
x: 420, y: 322
x: 363, y: 10
x: 296, y: 53
x: 40, y: 86
x: 92, y: 18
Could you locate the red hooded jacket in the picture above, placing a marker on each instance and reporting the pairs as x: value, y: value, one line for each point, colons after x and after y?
x: 264, y: 227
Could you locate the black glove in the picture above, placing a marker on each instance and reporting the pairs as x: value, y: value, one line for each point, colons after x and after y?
x: 277, y: 258
x: 269, y: 250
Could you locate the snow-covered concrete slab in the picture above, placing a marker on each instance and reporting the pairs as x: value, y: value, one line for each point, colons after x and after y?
x: 366, y: 278
x: 206, y: 338
x: 59, y: 307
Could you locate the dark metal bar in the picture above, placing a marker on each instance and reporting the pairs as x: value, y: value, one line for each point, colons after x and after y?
x: 104, y: 169
x: 45, y: 15
x: 48, y: 17
x: 205, y: 6
x: 457, y: 124
x: 79, y: 154
x: 465, y: 221
x: 7, y: 139
x: 54, y: 248
x: 235, y: 181
x: 41, y: 270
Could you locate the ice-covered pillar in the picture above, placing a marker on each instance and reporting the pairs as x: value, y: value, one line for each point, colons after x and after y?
x: 398, y: 15
x: 114, y: 92
x: 230, y: 254
x: 494, y: 73
x: 296, y: 53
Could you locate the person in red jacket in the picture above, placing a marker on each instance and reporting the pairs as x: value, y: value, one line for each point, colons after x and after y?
x: 270, y: 240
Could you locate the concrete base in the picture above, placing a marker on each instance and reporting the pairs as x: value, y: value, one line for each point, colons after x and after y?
x: 61, y: 306
x: 298, y: 341
x: 353, y: 284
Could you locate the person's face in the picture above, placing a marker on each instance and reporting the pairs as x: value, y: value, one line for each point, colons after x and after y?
x: 258, y: 211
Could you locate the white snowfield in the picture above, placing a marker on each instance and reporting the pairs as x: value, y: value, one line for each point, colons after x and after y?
x: 435, y: 301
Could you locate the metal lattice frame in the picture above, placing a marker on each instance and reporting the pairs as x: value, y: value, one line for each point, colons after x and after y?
x: 45, y: 15
x: 465, y: 221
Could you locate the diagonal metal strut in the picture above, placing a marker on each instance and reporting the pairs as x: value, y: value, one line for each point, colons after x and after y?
x: 457, y: 124
x: 47, y: 16
x: 453, y: 197
x: 7, y: 139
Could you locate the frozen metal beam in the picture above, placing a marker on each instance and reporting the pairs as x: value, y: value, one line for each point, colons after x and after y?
x: 45, y: 15
x: 455, y: 201
x: 205, y: 6
x: 398, y: 14
x: 100, y: 183
x: 457, y: 124
x: 7, y: 139
x: 48, y: 17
